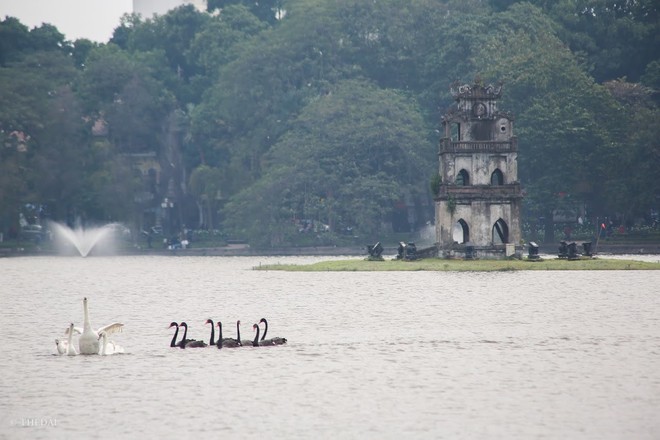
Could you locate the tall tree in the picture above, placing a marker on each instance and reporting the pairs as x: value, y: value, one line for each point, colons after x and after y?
x: 563, y: 117
x: 614, y: 38
x: 15, y: 40
x: 629, y: 187
x: 172, y: 35
x: 268, y: 11
x: 349, y: 156
x: 206, y: 185
x: 46, y: 127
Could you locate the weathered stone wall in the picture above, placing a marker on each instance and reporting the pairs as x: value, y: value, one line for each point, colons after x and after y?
x: 480, y: 167
x: 480, y: 217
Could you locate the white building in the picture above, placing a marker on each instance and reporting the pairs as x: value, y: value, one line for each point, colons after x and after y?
x: 149, y: 8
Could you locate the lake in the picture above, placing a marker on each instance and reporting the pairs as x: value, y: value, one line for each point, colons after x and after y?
x: 385, y: 355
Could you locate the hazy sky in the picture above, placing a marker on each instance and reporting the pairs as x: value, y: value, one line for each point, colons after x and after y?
x: 92, y: 19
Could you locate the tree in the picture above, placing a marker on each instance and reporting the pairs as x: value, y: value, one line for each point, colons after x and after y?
x: 633, y: 162
x: 81, y: 50
x: 564, y: 119
x: 214, y: 44
x: 613, y: 38
x: 123, y: 91
x: 348, y: 157
x: 42, y: 129
x: 112, y: 186
x: 14, y: 40
x: 206, y: 185
x: 171, y: 35
x: 266, y: 10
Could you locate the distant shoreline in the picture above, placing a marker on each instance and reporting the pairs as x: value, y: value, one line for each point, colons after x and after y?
x: 246, y: 251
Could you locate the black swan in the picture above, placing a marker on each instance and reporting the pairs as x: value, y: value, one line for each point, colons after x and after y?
x: 176, y: 333
x: 272, y: 341
x: 226, y: 342
x: 212, y: 340
x: 238, y: 335
x: 189, y: 343
x: 256, y: 342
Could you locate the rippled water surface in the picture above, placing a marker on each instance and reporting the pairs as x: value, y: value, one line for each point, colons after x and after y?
x: 388, y: 355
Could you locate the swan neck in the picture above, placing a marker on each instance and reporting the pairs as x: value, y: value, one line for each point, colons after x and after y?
x: 69, y: 347
x: 176, y: 333
x: 212, y: 341
x: 265, y: 330
x: 70, y: 335
x: 255, y: 343
x: 87, y: 325
x: 185, y: 333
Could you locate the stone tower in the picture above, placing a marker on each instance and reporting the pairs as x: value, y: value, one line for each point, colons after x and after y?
x: 477, y: 205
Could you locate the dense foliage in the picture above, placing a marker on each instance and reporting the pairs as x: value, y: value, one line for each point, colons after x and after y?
x: 290, y: 122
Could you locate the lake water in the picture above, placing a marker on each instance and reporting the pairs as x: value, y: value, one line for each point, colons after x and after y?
x: 391, y: 355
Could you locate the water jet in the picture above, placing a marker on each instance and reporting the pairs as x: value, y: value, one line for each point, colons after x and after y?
x: 84, y: 240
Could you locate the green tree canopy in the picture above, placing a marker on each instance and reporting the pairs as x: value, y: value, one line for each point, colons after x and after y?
x: 350, y: 155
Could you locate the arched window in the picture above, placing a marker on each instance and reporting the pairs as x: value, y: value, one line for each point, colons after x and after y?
x: 500, y: 232
x: 497, y: 178
x: 455, y: 132
x: 463, y: 178
x: 461, y: 232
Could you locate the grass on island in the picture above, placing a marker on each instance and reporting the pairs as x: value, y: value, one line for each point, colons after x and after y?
x: 438, y: 264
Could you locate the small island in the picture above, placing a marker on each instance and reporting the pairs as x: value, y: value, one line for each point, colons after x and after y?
x: 459, y: 265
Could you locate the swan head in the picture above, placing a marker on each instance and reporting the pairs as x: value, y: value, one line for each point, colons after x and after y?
x: 255, y: 326
x: 102, y: 335
x: 263, y: 320
x: 209, y: 321
x: 173, y: 324
x: 183, y: 324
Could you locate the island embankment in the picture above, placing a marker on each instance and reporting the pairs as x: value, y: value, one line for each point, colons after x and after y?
x: 243, y: 250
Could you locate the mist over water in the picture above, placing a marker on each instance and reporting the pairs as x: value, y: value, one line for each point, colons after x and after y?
x: 370, y: 355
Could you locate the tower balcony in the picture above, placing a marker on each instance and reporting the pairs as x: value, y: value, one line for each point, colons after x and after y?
x: 480, y: 192
x: 449, y: 146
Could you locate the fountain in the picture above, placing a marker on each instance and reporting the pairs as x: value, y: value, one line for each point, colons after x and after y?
x: 84, y: 240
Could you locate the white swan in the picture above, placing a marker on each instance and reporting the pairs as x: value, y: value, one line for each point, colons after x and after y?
x: 89, y: 340
x: 67, y: 347
x: 108, y: 347
x: 63, y: 346
x: 70, y: 348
